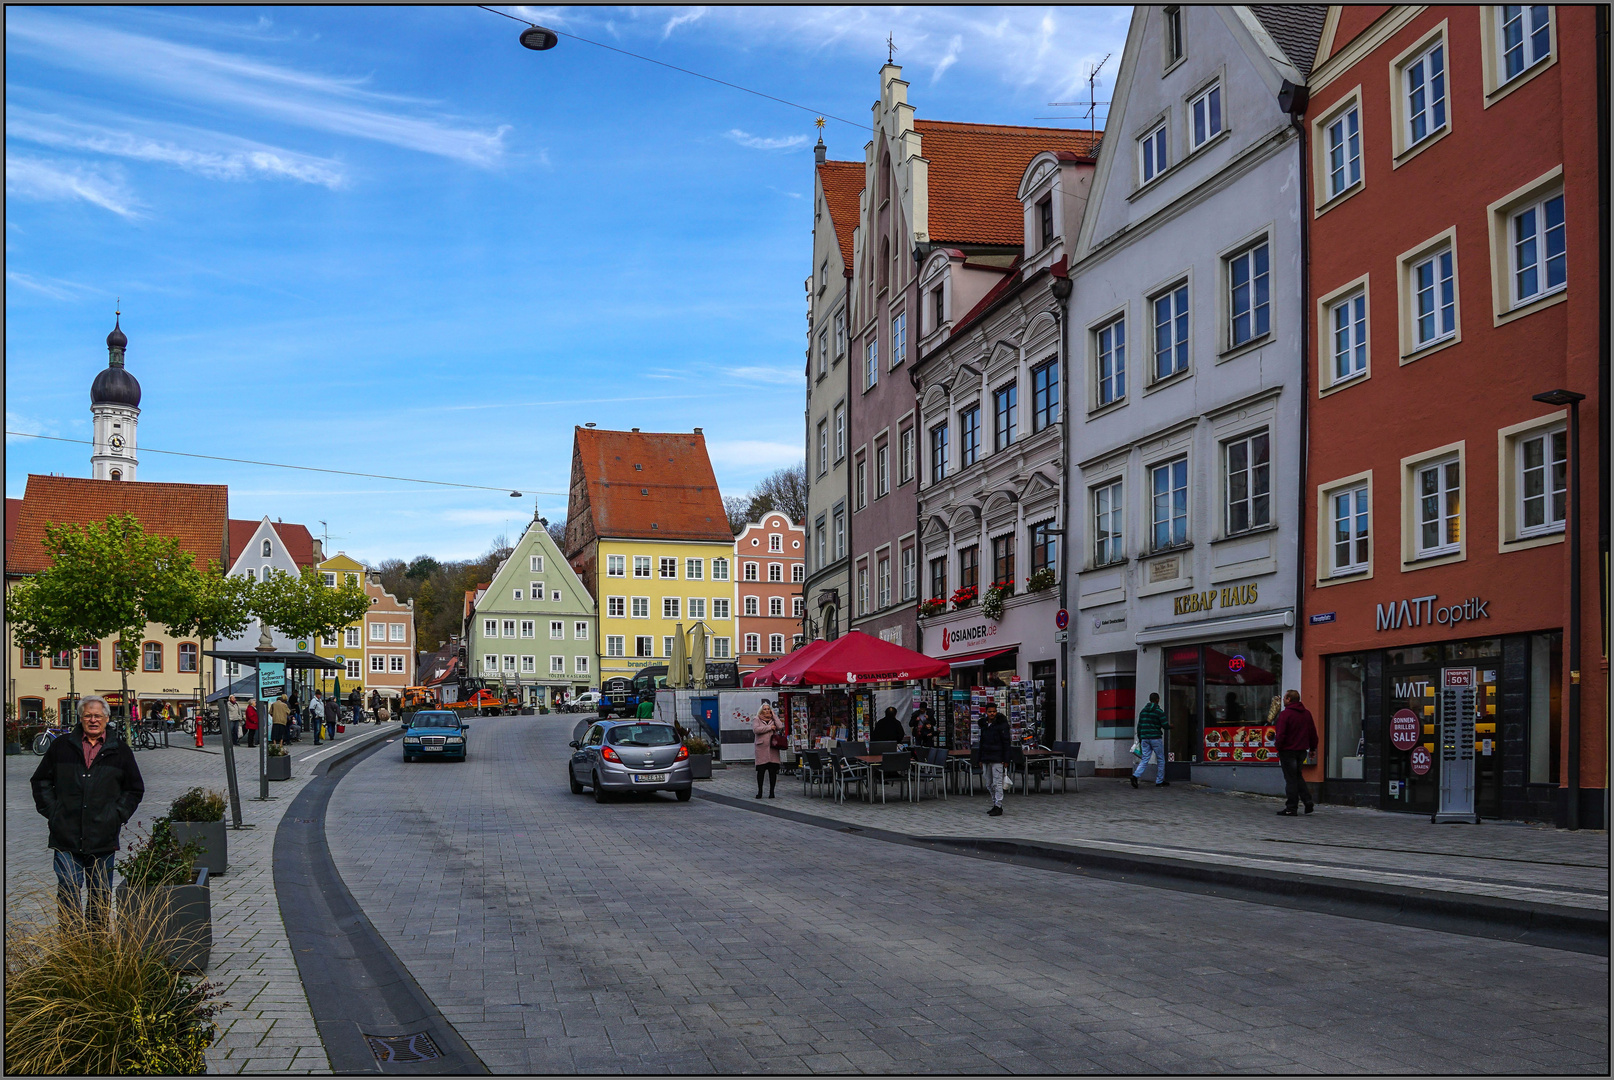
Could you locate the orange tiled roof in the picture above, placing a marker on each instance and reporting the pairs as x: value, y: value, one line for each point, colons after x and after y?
x: 194, y: 513
x: 298, y: 540
x: 671, y: 494
x: 843, y: 183
x: 13, y: 508
x: 975, y: 173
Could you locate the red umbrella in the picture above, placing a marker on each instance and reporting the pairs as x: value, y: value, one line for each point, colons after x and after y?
x: 855, y: 657
x: 769, y: 675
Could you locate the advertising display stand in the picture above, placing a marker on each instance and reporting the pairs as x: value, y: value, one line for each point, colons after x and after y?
x: 1456, y: 725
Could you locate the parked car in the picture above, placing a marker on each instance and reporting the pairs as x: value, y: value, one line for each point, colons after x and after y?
x: 436, y: 733
x: 587, y: 701
x: 621, y: 756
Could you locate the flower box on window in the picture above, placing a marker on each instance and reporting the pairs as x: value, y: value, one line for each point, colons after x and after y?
x: 964, y: 597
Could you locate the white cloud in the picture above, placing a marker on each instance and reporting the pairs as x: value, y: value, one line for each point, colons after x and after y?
x: 55, y: 288
x: 683, y: 19
x: 207, y: 153
x: 752, y: 454
x: 758, y: 142
x: 24, y: 426
x: 776, y: 376
x: 214, y: 78
x: 954, y: 47
x: 35, y: 178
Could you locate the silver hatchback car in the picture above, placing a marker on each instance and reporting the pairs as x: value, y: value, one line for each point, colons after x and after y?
x: 620, y: 756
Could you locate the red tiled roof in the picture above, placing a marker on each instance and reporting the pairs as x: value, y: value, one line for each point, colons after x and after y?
x: 648, y: 485
x: 194, y: 513
x: 1008, y: 281
x: 13, y: 508
x: 843, y: 183
x: 298, y: 540
x: 975, y: 174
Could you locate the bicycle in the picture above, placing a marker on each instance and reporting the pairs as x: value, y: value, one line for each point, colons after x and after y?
x: 43, y: 740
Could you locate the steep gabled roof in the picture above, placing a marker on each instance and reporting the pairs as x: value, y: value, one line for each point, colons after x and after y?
x: 194, y: 513
x: 13, y: 508
x: 843, y: 184
x: 643, y: 486
x: 298, y: 541
x: 1297, y: 28
x: 975, y: 174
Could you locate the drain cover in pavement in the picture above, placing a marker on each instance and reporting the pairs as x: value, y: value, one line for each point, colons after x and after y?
x: 403, y: 1048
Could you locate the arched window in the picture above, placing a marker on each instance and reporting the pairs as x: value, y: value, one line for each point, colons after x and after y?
x: 187, y: 656
x: 882, y: 272
x: 776, y: 572
x: 753, y: 643
x: 116, y: 475
x: 776, y: 643
x: 798, y: 573
x: 776, y: 606
x: 885, y: 177
x: 267, y: 550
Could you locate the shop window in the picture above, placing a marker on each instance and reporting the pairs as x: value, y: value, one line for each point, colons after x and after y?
x: 1546, y: 708
x: 1347, y: 706
x: 1116, y: 710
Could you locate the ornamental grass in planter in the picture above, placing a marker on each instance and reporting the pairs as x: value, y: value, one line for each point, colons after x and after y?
x: 277, y: 765
x: 87, y: 997
x: 161, y: 874
x: 198, y: 815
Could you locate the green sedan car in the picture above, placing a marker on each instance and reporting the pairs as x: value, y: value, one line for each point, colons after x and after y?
x: 436, y: 734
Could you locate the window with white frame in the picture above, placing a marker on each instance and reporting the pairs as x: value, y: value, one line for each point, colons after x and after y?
x: 871, y: 363
x: 669, y: 568
x: 938, y: 453
x: 882, y: 582
x: 720, y: 569
x: 1249, y: 294
x: 1108, y: 506
x: 1439, y: 493
x: 797, y: 607
x: 557, y: 629
x: 351, y: 637
x: 863, y: 590
x: 354, y: 669
x: 669, y: 607
x: 490, y: 664
x: 1542, y: 463
x: 328, y: 640
x: 823, y: 353
x: 696, y: 607
x: 749, y: 572
x: 899, y: 338
x: 536, y: 563
x: 328, y: 578
x: 644, y: 645
x: 528, y: 628
x: 557, y: 665
x: 840, y: 334
x: 554, y: 596
x: 1152, y: 154
x: 615, y: 644
x: 529, y: 665
x: 905, y: 455
x: 838, y: 532
x: 535, y: 591
x: 910, y: 573
x: 510, y: 664
x: 776, y: 607
x: 1350, y: 513
x: 616, y: 566
x: 1249, y: 482
x: 1433, y: 282
x: 1536, y: 249
x: 753, y: 643
x: 490, y: 627
x: 776, y: 572
x: 378, y: 631
x: 1172, y: 39
x: 395, y: 631
x: 395, y: 664
x: 1423, y: 87
x: 1525, y: 33
x: 860, y: 484
x: 1347, y: 328
x: 969, y: 436
x: 378, y: 662
x: 579, y: 631
x: 1109, y: 349
x: 580, y: 665
x: 1170, y: 331
x: 776, y: 643
x: 695, y: 569
x: 798, y: 573
x: 252, y: 575
x: 509, y: 628
x: 641, y: 607
x: 720, y: 607
x: 823, y: 447
x: 840, y: 432
x: 720, y: 648
x: 1343, y: 147
x: 616, y: 606
x: 751, y: 606
x: 1006, y: 415
x: 1169, y: 503
x: 882, y: 471
x: 1205, y: 116
x: 516, y: 594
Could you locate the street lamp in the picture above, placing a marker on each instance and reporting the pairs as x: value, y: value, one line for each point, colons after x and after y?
x: 1562, y: 398
x: 539, y: 38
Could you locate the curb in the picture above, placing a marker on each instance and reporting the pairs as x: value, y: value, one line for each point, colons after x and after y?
x: 368, y: 739
x: 1526, y: 922
x: 355, y: 984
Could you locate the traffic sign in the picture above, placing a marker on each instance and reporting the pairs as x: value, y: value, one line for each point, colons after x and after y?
x: 1061, y: 636
x: 1062, y: 619
x: 1404, y: 729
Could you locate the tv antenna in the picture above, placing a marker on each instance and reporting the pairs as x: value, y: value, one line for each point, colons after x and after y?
x: 1091, y: 104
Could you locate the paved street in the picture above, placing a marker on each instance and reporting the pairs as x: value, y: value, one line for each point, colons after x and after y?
x: 559, y: 935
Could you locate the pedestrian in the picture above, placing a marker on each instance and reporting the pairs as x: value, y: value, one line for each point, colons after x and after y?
x: 1152, y: 725
x: 316, y: 715
x: 888, y: 728
x: 376, y: 705
x: 355, y: 704
x: 1295, y: 738
x: 993, y: 754
x: 279, y: 719
x: 924, y: 728
x: 769, y: 734
x: 251, y: 723
x: 331, y: 712
x: 647, y: 706
x: 87, y: 786
x: 234, y: 713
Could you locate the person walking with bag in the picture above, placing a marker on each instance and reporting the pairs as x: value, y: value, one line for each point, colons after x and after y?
x: 994, y: 754
x: 1295, y: 737
x: 235, y: 715
x: 1152, y: 725
x: 251, y: 723
x: 769, y: 732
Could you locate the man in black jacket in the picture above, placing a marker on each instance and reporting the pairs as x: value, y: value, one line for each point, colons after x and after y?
x: 87, y: 786
x: 994, y: 754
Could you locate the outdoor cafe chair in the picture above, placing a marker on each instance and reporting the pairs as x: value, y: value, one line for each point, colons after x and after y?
x: 962, y: 770
x: 1040, y: 767
x: 846, y: 770
x: 1016, y: 765
x: 853, y: 749
x: 813, y: 769
x: 893, y: 767
x: 930, y: 764
x: 883, y: 747
x: 1064, y: 761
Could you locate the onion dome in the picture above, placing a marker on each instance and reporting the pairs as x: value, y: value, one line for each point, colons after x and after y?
x: 115, y: 386
x: 117, y: 339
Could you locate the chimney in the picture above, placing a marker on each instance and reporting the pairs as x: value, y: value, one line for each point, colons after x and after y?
x: 697, y: 431
x: 819, y: 151
x: 635, y: 429
x: 319, y: 552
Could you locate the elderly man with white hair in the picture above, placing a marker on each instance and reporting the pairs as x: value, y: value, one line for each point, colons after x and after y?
x: 88, y: 787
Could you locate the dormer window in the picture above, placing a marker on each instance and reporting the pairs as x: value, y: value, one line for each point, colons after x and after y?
x: 1045, y: 220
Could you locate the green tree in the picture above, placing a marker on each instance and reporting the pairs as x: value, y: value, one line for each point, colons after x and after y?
x: 304, y: 607
x: 206, y: 604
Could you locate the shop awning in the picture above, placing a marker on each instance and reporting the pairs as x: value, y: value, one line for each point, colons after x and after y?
x: 770, y: 674
x: 977, y: 659
x: 856, y: 657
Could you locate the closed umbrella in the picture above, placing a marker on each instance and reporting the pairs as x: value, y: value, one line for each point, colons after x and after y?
x: 700, y: 654
x: 680, y: 659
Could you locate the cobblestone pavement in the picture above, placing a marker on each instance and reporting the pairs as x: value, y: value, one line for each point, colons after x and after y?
x: 267, y: 1028
x: 1509, y: 860
x: 559, y: 935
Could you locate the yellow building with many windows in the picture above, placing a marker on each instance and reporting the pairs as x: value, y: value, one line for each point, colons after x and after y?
x: 346, y: 646
x: 646, y: 532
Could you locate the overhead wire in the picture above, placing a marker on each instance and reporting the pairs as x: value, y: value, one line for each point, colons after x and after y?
x: 300, y: 468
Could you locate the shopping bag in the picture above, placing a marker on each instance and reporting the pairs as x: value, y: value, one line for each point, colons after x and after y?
x: 1137, y: 748
x: 341, y: 729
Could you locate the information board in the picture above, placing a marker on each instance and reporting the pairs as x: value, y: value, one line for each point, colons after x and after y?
x: 271, y: 679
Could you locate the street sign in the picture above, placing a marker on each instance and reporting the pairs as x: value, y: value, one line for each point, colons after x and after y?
x: 271, y: 679
x: 1062, y: 619
x: 1322, y: 617
x: 1404, y: 729
x: 1061, y: 636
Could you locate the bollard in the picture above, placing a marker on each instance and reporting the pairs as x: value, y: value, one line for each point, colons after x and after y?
x: 200, y: 724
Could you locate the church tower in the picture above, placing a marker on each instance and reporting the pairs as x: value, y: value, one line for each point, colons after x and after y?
x: 115, y: 405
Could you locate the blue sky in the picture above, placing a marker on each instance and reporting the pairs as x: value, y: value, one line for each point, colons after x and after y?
x: 394, y: 241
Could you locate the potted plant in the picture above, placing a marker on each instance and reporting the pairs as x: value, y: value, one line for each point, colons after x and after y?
x: 934, y: 606
x: 198, y: 815
x: 162, y: 882
x: 278, y: 763
x: 964, y: 597
x: 700, y: 757
x: 1041, y: 581
x: 992, y: 602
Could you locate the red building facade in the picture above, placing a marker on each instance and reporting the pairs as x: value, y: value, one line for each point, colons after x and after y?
x: 1456, y: 272
x: 770, y: 567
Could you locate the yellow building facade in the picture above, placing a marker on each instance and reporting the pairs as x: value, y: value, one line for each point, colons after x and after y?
x: 346, y: 646
x: 645, y: 588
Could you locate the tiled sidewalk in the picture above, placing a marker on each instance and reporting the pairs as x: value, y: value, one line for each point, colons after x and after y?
x: 267, y: 1028
x: 1505, y: 860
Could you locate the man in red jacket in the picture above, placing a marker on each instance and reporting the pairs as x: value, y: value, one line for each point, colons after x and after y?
x: 1296, y: 736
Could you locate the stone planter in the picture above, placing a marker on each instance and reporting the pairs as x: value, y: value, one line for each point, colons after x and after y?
x: 278, y: 768
x: 186, y: 921
x: 213, y: 839
x: 700, y: 766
